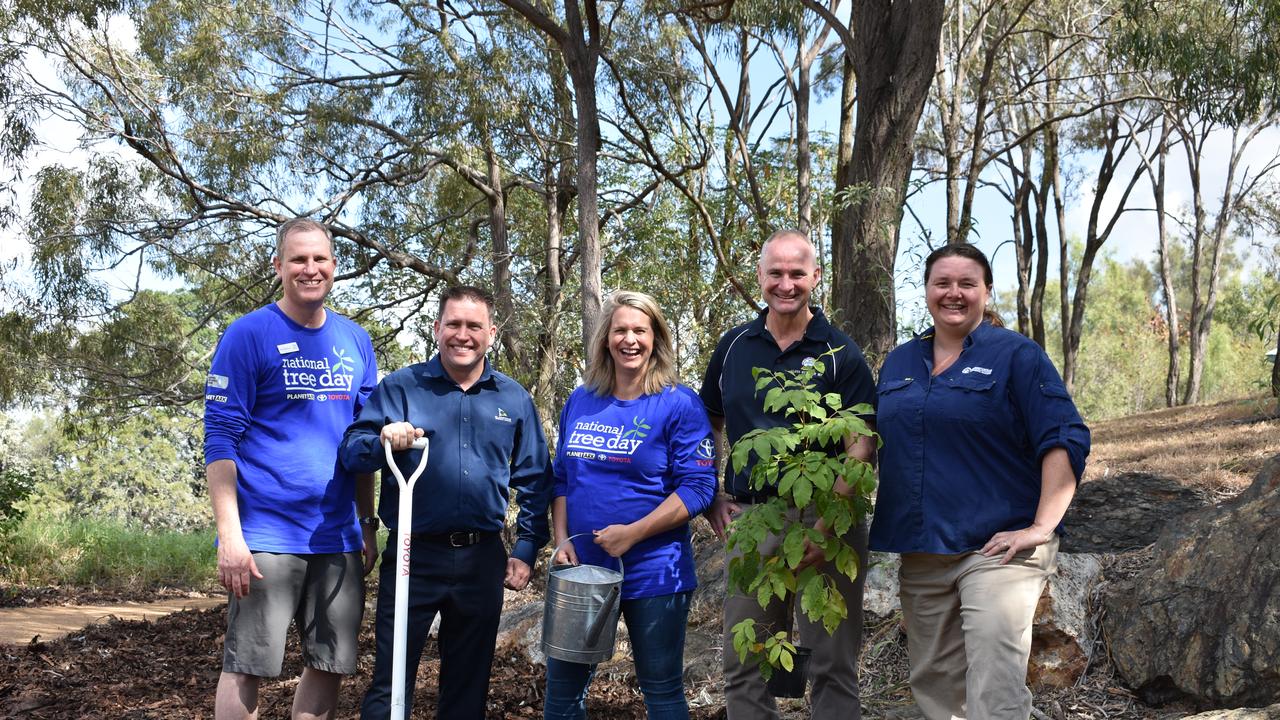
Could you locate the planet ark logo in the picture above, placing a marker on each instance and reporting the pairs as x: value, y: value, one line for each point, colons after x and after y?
x: 320, y: 380
x: 605, y: 441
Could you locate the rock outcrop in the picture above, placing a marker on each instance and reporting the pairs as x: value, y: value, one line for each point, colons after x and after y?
x: 1202, y: 621
x: 1267, y: 713
x: 1062, y: 636
x: 1126, y: 511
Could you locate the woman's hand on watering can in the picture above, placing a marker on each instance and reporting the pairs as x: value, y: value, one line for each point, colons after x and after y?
x: 566, y: 556
x: 617, y: 539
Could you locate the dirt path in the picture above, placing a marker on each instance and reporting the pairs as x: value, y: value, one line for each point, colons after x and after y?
x: 19, y: 625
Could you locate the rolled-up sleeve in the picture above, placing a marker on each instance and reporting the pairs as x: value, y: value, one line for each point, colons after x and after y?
x: 1048, y: 412
x: 532, y: 481
x: 693, y: 460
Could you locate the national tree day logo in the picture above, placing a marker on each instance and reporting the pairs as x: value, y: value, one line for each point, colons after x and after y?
x: 637, y: 424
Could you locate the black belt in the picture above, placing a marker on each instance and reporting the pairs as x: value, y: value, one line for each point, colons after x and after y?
x: 751, y: 499
x: 458, y: 539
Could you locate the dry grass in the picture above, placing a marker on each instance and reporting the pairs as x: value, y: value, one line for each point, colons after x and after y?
x: 1216, y: 448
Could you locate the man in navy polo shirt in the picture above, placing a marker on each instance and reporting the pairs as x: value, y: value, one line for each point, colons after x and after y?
x: 788, y: 334
x: 485, y: 438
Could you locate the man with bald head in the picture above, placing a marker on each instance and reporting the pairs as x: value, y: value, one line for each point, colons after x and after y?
x: 789, y: 333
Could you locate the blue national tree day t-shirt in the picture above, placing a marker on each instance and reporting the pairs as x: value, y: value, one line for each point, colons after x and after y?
x: 277, y: 401
x: 617, y: 460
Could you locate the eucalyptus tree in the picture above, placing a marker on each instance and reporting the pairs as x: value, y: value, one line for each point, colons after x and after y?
x: 1220, y: 61
x: 891, y: 50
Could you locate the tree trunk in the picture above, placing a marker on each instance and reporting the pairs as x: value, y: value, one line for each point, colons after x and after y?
x: 1172, y: 379
x: 894, y: 54
x: 579, y: 44
x: 804, y: 158
x: 501, y: 254
x: 1275, y: 370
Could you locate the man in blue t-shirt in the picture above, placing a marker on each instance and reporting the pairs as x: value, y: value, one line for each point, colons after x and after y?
x: 787, y: 335
x: 485, y: 440
x: 285, y: 382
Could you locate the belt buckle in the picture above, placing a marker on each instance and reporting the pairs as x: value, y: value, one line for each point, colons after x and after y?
x: 461, y: 539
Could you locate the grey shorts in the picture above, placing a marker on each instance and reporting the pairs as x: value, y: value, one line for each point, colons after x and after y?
x: 323, y: 594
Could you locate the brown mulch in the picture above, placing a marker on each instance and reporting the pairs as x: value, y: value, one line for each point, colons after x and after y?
x: 169, y: 669
x: 31, y: 596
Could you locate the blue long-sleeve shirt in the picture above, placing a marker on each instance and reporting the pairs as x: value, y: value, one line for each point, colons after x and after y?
x: 277, y: 400
x: 618, y: 460
x: 484, y: 440
x: 962, y: 450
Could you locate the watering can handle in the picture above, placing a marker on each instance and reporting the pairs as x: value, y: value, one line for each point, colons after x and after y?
x: 621, y: 570
x: 606, y: 612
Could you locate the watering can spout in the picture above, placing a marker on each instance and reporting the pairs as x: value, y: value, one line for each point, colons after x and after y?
x: 605, y: 614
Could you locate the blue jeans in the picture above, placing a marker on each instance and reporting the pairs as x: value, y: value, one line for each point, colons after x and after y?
x: 656, y: 626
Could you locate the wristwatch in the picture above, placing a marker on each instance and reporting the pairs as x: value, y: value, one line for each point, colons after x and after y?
x: 369, y: 521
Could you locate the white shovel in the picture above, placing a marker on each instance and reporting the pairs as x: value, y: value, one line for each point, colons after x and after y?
x: 404, y: 530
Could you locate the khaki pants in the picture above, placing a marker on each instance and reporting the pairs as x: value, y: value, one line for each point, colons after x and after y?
x: 833, y: 667
x: 968, y: 622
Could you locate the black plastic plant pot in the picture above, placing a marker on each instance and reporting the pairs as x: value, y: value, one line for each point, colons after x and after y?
x: 791, y: 683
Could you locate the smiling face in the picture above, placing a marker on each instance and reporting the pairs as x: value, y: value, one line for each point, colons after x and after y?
x: 464, y: 332
x: 305, y: 266
x: 956, y: 294
x: 630, y: 342
x: 788, y: 273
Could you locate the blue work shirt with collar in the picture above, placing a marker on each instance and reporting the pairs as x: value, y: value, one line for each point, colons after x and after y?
x: 729, y: 390
x: 962, y: 450
x: 484, y: 440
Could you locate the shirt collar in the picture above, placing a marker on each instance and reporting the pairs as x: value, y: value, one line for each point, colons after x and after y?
x: 978, y: 335
x: 819, y: 328
x: 435, y: 369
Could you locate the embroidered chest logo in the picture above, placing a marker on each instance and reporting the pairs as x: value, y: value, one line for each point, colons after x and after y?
x: 502, y: 416
x: 976, y: 369
x: 591, y: 440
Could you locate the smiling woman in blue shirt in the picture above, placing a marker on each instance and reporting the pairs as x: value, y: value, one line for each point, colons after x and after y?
x: 635, y: 462
x: 982, y: 452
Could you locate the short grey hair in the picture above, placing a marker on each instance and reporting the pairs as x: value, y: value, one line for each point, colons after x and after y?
x: 300, y: 224
x: 786, y: 232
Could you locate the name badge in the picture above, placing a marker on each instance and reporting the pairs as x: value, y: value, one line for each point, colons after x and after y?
x: 289, y: 347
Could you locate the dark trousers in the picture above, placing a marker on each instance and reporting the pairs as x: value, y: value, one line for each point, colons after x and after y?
x: 464, y: 585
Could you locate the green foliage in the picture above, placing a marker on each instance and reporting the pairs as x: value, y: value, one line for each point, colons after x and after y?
x: 103, y: 554
x: 144, y: 472
x: 1124, y: 343
x: 1221, y: 57
x: 804, y: 464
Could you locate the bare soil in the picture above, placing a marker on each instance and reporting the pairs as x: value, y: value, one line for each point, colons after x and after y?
x: 168, y: 667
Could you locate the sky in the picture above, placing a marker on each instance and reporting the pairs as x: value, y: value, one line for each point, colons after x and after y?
x: 1133, y: 238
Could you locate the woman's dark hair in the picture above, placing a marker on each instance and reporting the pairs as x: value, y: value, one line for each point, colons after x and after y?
x: 963, y: 250
x: 969, y: 252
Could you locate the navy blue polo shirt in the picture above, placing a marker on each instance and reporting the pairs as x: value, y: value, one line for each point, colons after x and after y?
x: 484, y: 440
x: 962, y: 450
x: 729, y: 391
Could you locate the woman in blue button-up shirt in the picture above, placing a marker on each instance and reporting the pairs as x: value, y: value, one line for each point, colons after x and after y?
x: 983, y: 448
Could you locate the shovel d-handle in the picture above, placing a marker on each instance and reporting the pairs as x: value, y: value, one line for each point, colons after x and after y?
x: 404, y: 533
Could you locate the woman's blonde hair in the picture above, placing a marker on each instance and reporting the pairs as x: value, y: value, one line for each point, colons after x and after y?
x: 661, y: 369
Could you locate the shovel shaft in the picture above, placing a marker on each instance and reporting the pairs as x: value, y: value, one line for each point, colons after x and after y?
x: 404, y: 533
